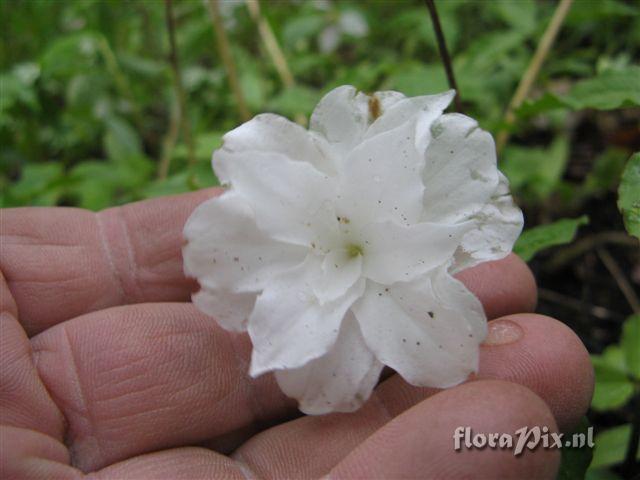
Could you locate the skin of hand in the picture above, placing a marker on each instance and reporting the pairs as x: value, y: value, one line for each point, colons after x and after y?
x: 107, y: 370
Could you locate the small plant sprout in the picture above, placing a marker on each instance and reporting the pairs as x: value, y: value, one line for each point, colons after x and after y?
x: 336, y: 247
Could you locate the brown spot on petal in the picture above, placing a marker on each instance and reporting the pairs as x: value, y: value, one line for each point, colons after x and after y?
x: 375, y: 109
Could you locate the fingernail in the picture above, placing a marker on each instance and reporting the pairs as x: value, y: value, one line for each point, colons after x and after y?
x: 503, y: 332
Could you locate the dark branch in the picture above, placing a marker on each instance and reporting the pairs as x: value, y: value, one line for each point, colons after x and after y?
x: 444, y: 53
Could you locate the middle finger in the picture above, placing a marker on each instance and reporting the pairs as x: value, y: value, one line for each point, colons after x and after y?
x: 138, y: 378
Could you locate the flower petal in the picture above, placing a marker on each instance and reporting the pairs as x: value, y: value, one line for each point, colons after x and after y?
x: 288, y: 326
x: 380, y: 179
x: 292, y: 200
x: 429, y: 330
x: 231, y: 310
x: 225, y: 249
x: 460, y: 174
x: 498, y: 226
x: 268, y: 132
x: 342, y: 117
x: 339, y: 381
x: 397, y: 109
x: 395, y: 253
x: 339, y: 272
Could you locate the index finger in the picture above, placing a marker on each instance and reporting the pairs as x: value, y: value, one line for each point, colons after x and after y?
x: 60, y: 263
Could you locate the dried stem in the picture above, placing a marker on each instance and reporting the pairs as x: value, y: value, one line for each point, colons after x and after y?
x: 270, y: 43
x: 582, y: 246
x: 618, y: 275
x: 444, y: 53
x: 575, y: 304
x: 530, y: 75
x: 273, y: 49
x: 224, y: 49
x: 183, y: 117
x: 170, y: 139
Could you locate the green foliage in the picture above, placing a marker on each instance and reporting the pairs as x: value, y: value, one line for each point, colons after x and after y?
x: 617, y: 373
x: 617, y: 370
x: 611, y: 446
x: 609, y: 90
x: 576, y: 460
x: 629, y: 195
x: 630, y: 344
x: 613, y: 387
x: 87, y: 82
x: 535, y: 172
x: 40, y: 185
x: 606, y: 173
x: 538, y: 238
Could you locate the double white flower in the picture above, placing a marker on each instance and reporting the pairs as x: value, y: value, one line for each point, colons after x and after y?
x: 335, y: 246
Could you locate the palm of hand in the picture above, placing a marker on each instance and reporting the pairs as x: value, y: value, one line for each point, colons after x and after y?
x: 124, y: 378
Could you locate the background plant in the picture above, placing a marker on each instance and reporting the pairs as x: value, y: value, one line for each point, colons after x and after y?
x: 98, y: 107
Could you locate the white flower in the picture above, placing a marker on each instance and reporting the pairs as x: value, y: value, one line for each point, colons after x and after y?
x: 335, y: 247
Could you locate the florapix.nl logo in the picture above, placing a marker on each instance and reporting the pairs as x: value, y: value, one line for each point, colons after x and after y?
x: 528, y: 438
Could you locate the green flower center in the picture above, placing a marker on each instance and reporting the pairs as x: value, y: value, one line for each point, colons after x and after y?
x: 354, y: 250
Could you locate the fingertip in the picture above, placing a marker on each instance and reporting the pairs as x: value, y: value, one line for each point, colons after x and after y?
x: 548, y: 357
x: 420, y: 443
x: 504, y: 286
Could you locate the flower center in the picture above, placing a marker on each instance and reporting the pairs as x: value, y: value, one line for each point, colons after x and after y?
x: 354, y: 250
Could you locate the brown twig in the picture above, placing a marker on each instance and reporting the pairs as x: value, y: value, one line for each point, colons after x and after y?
x: 567, y: 254
x: 575, y: 304
x: 224, y: 49
x: 444, y: 53
x: 183, y: 117
x: 530, y: 75
x: 620, y: 278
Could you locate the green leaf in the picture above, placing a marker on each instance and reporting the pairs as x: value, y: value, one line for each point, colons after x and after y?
x: 601, y: 474
x: 613, y: 388
x: 295, y: 100
x: 97, y: 184
x: 600, y: 11
x: 40, y: 184
x: 302, y: 28
x: 611, y: 446
x: 546, y: 103
x: 121, y: 141
x: 606, y: 172
x: 535, y: 172
x: 417, y: 79
x: 630, y: 344
x: 538, y: 238
x: 609, y: 90
x: 614, y: 357
x: 521, y: 15
x: 576, y: 460
x: 178, y: 183
x: 70, y: 54
x: 629, y: 195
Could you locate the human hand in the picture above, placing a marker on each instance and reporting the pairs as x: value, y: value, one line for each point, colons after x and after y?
x: 107, y: 368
